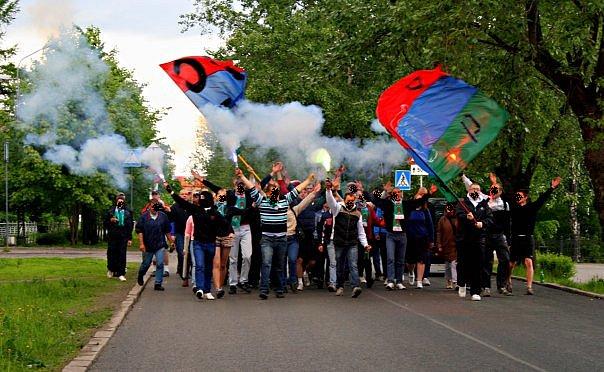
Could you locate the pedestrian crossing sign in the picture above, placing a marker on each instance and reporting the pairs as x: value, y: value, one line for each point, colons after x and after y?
x: 402, y: 179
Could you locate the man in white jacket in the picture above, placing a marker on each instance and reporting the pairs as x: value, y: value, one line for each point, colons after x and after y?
x: 347, y: 232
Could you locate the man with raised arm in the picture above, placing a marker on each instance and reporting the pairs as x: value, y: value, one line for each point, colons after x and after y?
x: 273, y: 206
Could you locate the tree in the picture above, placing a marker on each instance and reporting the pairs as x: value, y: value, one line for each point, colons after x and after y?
x: 41, y: 186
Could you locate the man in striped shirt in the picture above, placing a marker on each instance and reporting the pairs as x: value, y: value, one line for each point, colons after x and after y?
x: 273, y: 219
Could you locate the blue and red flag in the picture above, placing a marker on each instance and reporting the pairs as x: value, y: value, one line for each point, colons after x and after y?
x: 442, y: 121
x: 205, y: 80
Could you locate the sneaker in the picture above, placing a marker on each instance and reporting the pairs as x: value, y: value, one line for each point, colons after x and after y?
x: 449, y: 284
x: 505, y: 292
x: 232, y: 289
x: 158, y: 287
x: 280, y: 295
x: 300, y: 287
x: 122, y: 278
x: 385, y: 282
x: 419, y: 285
x: 411, y: 278
x: 356, y: 292
x: 209, y: 296
x: 140, y: 280
x: 331, y: 288
x: 340, y: 292
x: 185, y: 282
x: 199, y: 294
x: 263, y: 295
x: 486, y: 292
x: 363, y: 280
x: 306, y: 280
x: 426, y: 282
x: 455, y: 286
x: 109, y: 274
x: 244, y: 287
x: 390, y: 286
x: 400, y: 286
x: 220, y: 293
x: 509, y: 287
x: 476, y: 297
x: 166, y: 272
x: 462, y: 291
x: 529, y: 291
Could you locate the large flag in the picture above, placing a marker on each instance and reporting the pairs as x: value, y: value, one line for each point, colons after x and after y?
x: 442, y: 121
x: 205, y: 80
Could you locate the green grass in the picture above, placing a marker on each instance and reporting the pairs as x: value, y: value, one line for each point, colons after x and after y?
x: 48, y: 318
x: 595, y: 285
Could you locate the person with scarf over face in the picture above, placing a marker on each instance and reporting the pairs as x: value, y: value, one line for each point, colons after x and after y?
x: 446, y: 231
x: 348, y: 232
x: 208, y: 224
x: 370, y: 221
x: 475, y: 218
x: 273, y: 208
x: 119, y: 224
x: 395, y: 209
x: 239, y: 202
x: 498, y: 239
x: 524, y: 218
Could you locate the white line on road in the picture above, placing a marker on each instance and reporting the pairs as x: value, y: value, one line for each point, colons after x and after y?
x: 463, y: 334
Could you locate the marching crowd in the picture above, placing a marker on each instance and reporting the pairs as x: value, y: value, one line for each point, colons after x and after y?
x: 286, y: 235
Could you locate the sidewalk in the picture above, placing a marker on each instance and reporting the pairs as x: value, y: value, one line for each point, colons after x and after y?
x: 21, y: 252
x: 588, y: 271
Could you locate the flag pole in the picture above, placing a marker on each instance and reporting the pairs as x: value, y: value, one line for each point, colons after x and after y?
x: 249, y: 167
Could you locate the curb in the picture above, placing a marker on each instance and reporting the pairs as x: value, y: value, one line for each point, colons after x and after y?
x: 95, y: 345
x: 564, y: 288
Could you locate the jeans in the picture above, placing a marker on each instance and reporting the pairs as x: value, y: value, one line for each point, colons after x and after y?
x: 347, y: 253
x: 243, y: 241
x: 498, y: 243
x: 331, y: 254
x: 376, y: 249
x: 451, y: 270
x: 147, y: 259
x: 180, y: 244
x: 203, y: 258
x: 396, y: 246
x: 291, y: 258
x: 272, y: 245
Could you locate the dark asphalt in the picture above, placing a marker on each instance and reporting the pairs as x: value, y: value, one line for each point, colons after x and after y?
x: 419, y: 330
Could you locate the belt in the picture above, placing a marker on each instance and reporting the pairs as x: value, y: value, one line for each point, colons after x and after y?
x: 522, y: 236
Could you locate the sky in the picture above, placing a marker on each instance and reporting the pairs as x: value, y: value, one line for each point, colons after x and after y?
x: 144, y: 32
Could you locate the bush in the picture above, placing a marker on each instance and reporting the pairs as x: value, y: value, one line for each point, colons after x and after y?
x: 54, y: 238
x: 556, y: 266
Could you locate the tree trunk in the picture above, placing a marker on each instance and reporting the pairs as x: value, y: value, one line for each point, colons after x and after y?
x: 575, y: 227
x: 89, y: 226
x: 74, y: 223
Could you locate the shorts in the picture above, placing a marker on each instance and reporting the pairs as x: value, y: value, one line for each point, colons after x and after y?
x: 522, y: 247
x: 224, y: 241
x: 308, y: 248
x: 417, y: 249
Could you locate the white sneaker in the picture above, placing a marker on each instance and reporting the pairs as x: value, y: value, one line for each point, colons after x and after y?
x: 411, y: 278
x: 419, y: 285
x: 300, y: 286
x: 122, y: 278
x: 208, y: 296
x: 400, y: 286
x: 426, y: 282
x: 109, y: 274
x: 306, y: 280
x: 462, y: 291
x: 386, y: 283
x: 476, y: 297
x: 390, y: 286
x: 363, y: 280
x: 340, y: 292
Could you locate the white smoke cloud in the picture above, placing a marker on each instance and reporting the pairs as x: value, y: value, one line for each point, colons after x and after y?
x: 294, y: 130
x: 66, y: 115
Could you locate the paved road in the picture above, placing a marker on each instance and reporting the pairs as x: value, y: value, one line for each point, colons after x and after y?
x: 425, y: 330
x: 588, y: 271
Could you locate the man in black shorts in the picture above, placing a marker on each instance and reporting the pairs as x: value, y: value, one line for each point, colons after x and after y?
x: 524, y: 217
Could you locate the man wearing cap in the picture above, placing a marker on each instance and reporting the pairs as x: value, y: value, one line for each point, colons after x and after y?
x: 119, y: 223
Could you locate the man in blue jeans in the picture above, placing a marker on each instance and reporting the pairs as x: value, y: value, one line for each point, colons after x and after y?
x: 273, y: 219
x: 153, y: 229
x: 348, y: 232
x: 395, y: 208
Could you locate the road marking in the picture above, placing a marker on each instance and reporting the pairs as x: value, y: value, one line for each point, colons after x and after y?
x: 463, y: 334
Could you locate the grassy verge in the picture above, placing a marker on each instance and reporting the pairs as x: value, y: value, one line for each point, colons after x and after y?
x: 50, y: 307
x: 595, y: 285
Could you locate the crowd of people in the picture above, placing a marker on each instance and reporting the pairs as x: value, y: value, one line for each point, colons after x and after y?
x: 285, y: 236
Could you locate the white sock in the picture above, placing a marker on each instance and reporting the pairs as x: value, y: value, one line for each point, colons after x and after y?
x: 300, y: 281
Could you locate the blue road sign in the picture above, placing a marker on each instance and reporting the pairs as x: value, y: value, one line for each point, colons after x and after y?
x: 402, y: 179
